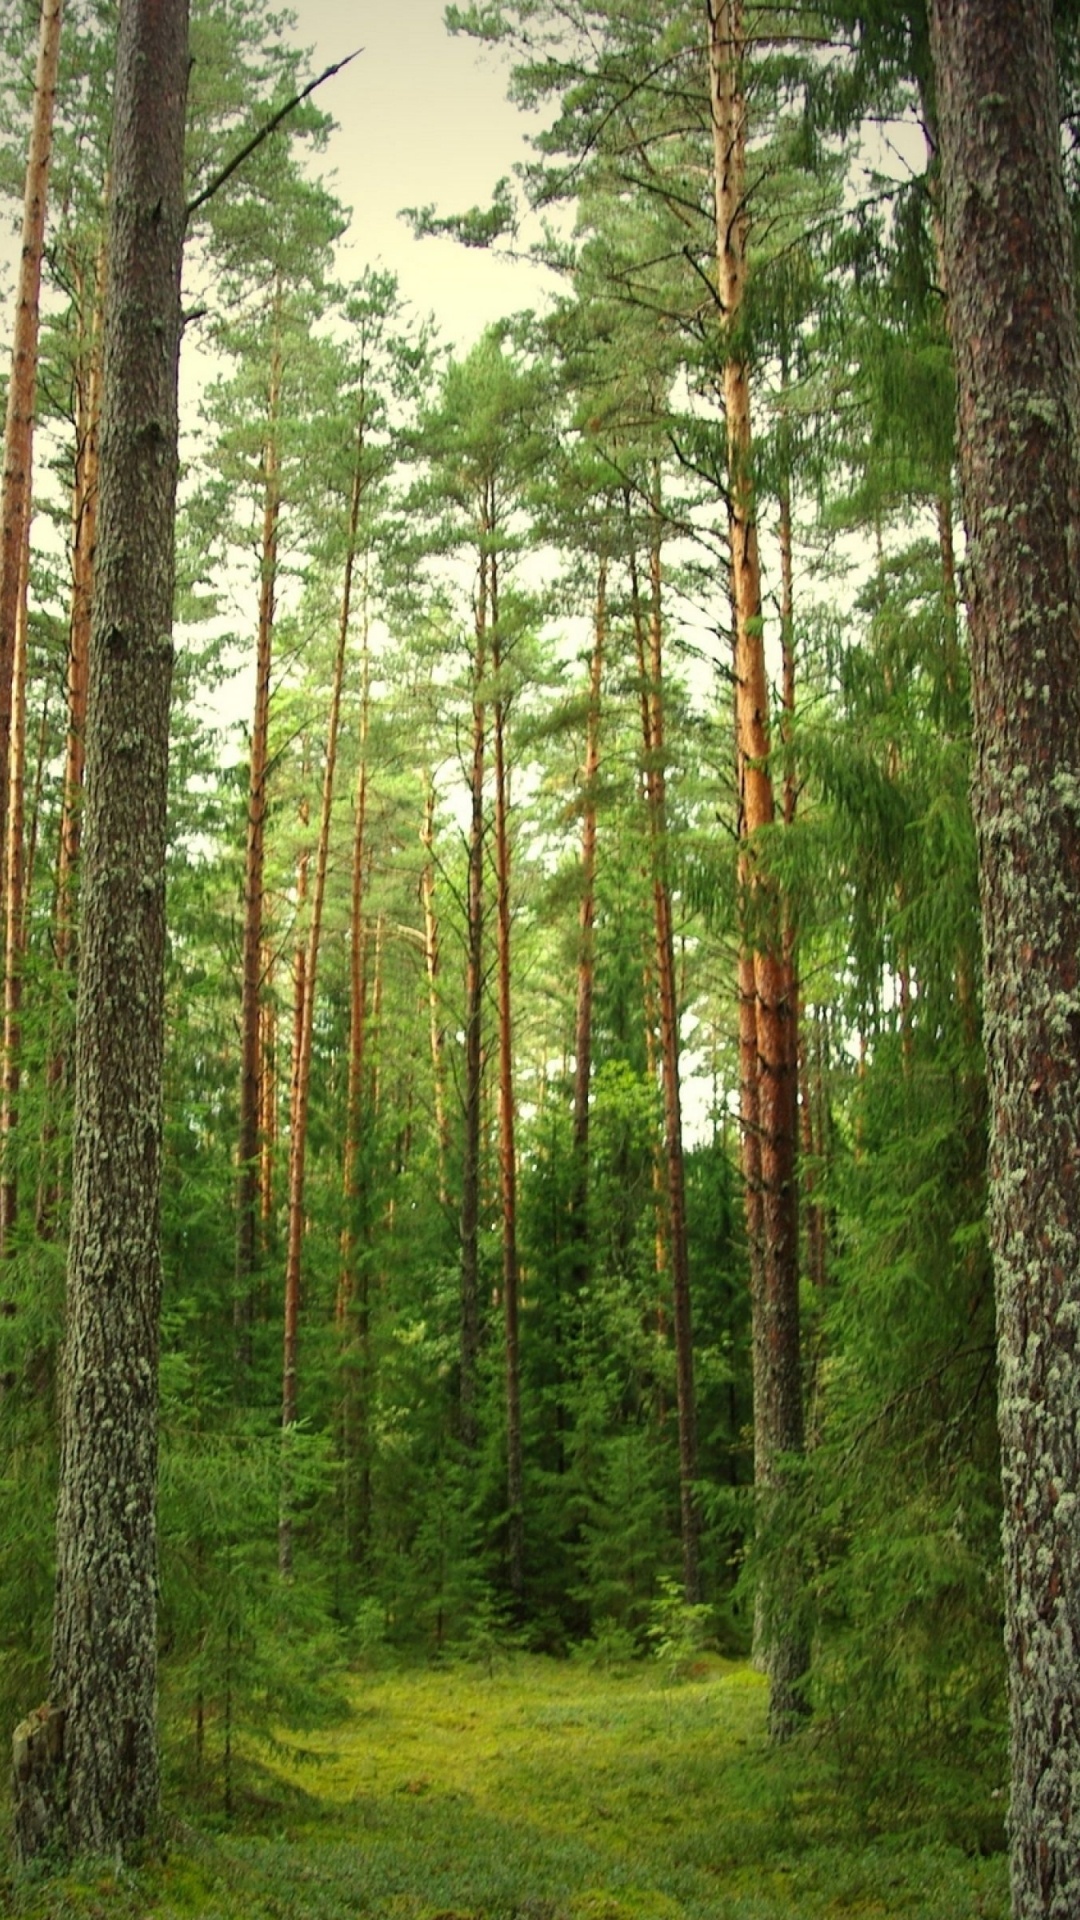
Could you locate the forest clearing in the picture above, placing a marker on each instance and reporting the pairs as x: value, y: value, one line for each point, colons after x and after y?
x: 533, y: 1789
x: 540, y: 912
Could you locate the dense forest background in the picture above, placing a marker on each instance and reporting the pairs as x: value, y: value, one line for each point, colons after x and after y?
x: 575, y: 1121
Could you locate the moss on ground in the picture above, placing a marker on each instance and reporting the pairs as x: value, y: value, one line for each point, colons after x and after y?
x: 544, y: 1791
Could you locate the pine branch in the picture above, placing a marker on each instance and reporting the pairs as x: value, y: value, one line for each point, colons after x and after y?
x: 264, y: 133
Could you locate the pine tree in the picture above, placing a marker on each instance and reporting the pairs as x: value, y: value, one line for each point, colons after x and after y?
x: 1008, y: 254
x: 86, y: 1765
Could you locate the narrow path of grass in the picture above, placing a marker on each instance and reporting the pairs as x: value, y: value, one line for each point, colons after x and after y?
x: 541, y: 1792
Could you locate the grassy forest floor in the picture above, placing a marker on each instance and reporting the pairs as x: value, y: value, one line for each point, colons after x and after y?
x: 535, y: 1790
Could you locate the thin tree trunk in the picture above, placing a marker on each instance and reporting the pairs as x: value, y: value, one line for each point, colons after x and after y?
x: 307, y: 980
x: 474, y: 990
x: 350, y: 1189
x: 579, y: 1198
x: 13, y: 920
x: 291, y: 1319
x: 507, y: 1149
x: 84, y: 541
x: 650, y: 661
x: 352, y: 1311
x: 86, y: 1767
x: 33, y: 830
x: 22, y: 390
x: 247, y: 1181
x: 431, y: 969
x: 1011, y: 278
x: 669, y: 1065
x: 771, y: 1109
x: 661, y: 1213
x: 268, y: 1100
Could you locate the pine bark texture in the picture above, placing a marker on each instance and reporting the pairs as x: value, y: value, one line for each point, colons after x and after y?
x: 1008, y: 248
x: 104, y: 1669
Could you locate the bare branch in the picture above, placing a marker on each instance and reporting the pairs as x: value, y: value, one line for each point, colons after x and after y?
x: 264, y: 133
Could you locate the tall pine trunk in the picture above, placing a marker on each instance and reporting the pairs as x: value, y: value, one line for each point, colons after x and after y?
x: 22, y: 389
x: 1010, y: 268
x: 579, y: 1193
x: 86, y: 1767
x: 305, y: 1027
x: 649, y: 640
x: 515, y: 1496
x: 247, y: 1179
x: 14, y: 920
x: 474, y: 1055
x: 768, y: 1050
x: 431, y: 971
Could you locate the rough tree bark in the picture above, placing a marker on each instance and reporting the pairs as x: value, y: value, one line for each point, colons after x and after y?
x: 86, y: 1769
x: 1009, y: 261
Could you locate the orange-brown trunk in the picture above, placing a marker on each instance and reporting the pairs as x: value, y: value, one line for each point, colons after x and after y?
x: 22, y: 390
x: 247, y: 1189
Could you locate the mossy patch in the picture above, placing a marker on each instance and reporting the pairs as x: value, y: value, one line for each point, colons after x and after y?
x: 547, y: 1791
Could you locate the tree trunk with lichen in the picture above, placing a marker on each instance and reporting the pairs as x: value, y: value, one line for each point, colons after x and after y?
x: 1009, y: 260
x: 86, y: 1768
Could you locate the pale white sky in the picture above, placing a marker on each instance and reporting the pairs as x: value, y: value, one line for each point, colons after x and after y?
x: 422, y: 117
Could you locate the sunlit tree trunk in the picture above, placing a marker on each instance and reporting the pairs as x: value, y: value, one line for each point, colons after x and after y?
x: 771, y: 1108
x: 1011, y: 277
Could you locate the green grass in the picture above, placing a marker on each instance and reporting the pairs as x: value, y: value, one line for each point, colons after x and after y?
x: 545, y: 1791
